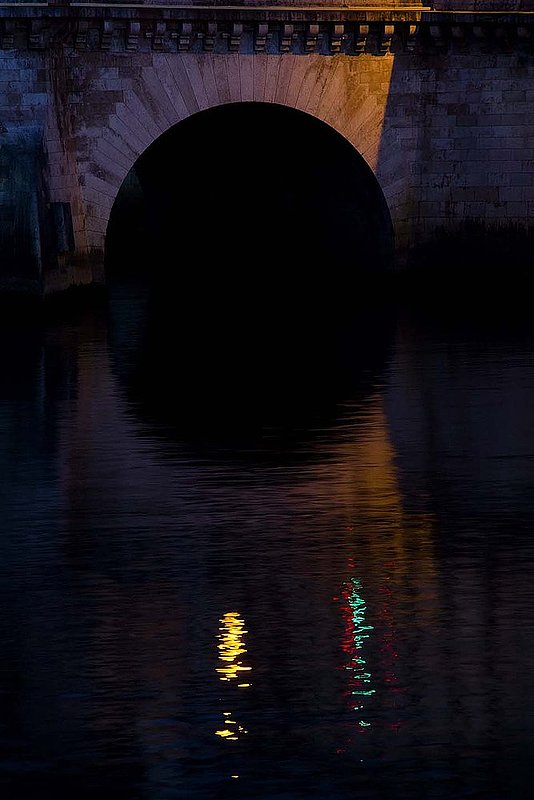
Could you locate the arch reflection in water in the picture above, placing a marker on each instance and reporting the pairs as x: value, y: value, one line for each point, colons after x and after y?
x: 238, y: 380
x: 231, y: 646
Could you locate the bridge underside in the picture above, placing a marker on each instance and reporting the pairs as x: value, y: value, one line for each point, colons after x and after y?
x: 438, y: 103
x: 250, y: 200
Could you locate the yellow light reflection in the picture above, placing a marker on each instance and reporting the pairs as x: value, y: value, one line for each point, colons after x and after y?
x: 231, y: 647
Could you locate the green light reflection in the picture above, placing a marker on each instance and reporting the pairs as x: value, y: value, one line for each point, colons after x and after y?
x: 358, y: 632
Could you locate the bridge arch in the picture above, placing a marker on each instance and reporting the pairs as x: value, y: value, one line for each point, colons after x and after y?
x: 114, y: 128
x: 252, y: 181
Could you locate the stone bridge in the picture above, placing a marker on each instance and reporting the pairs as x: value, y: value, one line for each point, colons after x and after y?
x: 438, y: 101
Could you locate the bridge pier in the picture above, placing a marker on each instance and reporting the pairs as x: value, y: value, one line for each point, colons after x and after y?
x: 22, y: 209
x: 43, y: 241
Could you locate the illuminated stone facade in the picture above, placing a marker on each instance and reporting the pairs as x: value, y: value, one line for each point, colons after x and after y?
x: 439, y: 103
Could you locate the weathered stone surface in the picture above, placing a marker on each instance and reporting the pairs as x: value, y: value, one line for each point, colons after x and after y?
x: 21, y: 212
x: 443, y: 117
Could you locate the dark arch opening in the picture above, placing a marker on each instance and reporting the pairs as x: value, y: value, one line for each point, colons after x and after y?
x: 252, y: 222
x: 251, y: 200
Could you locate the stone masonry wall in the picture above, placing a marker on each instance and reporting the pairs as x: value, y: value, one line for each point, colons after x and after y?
x: 38, y: 168
x: 474, y: 154
x: 448, y: 131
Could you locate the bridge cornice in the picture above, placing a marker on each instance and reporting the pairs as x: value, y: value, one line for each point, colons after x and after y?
x: 300, y: 29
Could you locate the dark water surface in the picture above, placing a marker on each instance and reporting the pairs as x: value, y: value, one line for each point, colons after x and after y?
x: 300, y: 568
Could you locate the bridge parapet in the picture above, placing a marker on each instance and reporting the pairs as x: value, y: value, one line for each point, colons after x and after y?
x: 459, y: 6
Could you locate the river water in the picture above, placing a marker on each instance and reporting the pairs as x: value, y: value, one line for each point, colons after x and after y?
x: 297, y: 570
